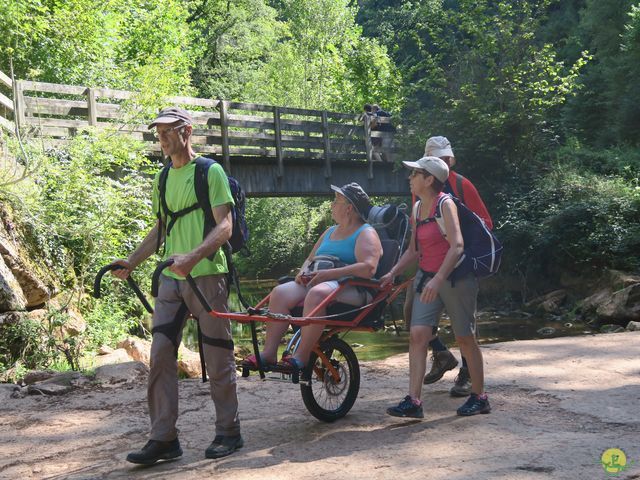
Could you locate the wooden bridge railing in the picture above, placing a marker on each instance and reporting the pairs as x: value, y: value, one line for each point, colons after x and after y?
x: 229, y: 129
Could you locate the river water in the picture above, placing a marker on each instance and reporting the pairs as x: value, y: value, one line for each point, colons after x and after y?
x: 493, y: 326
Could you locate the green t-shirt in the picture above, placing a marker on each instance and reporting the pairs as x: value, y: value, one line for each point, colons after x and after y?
x: 186, y: 234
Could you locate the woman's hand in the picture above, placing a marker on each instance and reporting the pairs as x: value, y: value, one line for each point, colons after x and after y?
x: 302, y: 278
x: 386, y: 279
x: 321, y: 276
x: 430, y: 290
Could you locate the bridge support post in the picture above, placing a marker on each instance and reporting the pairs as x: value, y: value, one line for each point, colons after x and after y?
x: 278, y: 135
x: 327, y: 145
x: 368, y: 145
x: 18, y: 104
x: 224, y: 133
x: 92, y: 107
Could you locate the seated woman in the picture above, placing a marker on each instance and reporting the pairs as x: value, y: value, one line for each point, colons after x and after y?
x: 357, y: 246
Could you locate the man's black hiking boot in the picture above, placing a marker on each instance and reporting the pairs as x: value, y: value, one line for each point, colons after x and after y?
x: 155, y: 450
x: 441, y: 362
x: 474, y: 405
x: 406, y: 408
x: 224, y: 445
x: 462, y: 384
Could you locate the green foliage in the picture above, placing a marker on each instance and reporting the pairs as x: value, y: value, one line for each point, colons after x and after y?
x: 606, y: 110
x: 475, y: 72
x: 302, y: 53
x: 128, y: 45
x: 38, y: 344
x: 27, y: 343
x: 236, y: 40
x: 94, y: 198
x: 86, y: 205
x: 107, y: 325
x: 573, y: 221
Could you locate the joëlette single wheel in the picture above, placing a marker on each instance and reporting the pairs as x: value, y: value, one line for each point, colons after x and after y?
x: 326, y: 397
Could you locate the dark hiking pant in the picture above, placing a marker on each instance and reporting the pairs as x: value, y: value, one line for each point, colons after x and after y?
x: 175, y: 300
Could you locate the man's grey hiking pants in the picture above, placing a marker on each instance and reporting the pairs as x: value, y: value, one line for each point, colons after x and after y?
x: 175, y: 300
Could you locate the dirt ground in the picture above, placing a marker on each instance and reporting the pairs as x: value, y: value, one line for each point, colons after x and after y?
x: 557, y: 405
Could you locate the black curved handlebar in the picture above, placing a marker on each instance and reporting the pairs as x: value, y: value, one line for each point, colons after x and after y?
x: 155, y: 284
x: 130, y: 281
x: 98, y: 280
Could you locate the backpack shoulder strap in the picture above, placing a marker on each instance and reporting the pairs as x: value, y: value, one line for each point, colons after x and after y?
x: 162, y: 189
x: 459, y: 179
x: 418, y: 222
x: 416, y: 211
x: 439, y: 218
x: 201, y: 185
x: 163, y: 210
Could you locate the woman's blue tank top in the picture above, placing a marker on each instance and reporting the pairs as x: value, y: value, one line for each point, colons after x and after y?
x: 344, y: 249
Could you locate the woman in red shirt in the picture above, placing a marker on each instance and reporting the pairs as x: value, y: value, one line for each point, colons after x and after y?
x: 437, y: 254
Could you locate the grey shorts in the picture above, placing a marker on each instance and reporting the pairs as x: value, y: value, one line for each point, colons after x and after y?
x: 460, y: 302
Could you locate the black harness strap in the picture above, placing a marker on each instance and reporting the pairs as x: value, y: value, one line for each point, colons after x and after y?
x: 172, y: 329
x: 201, y: 187
x: 419, y: 223
x: 214, y: 342
x: 460, y: 192
x: 218, y: 342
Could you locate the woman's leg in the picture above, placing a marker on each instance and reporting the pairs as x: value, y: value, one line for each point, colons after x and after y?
x: 419, y: 337
x: 311, y: 333
x: 283, y: 299
x: 424, y: 323
x: 460, y: 302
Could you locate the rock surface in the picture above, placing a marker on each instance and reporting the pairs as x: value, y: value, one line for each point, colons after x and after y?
x: 617, y: 302
x: 139, y: 349
x: 119, y: 355
x: 129, y: 372
x: 11, y: 295
x: 28, y: 276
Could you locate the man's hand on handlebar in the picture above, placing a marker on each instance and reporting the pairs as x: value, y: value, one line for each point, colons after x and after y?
x: 122, y: 273
x: 183, y: 264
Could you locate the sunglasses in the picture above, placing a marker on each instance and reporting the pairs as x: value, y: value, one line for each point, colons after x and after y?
x: 164, y: 133
x: 419, y: 172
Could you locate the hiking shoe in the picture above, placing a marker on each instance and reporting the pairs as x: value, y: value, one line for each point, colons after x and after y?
x: 406, y: 408
x: 156, y: 450
x: 224, y: 445
x: 462, y: 384
x: 474, y: 405
x: 441, y: 362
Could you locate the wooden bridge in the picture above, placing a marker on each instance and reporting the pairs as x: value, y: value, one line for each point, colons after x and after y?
x: 273, y: 151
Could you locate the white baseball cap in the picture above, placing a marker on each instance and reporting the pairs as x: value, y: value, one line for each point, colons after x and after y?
x: 433, y: 165
x: 438, y: 147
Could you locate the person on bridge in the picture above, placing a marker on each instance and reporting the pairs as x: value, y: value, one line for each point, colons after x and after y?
x: 206, y: 262
x: 437, y: 255
x: 459, y: 186
x: 358, y: 250
x: 380, y: 113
